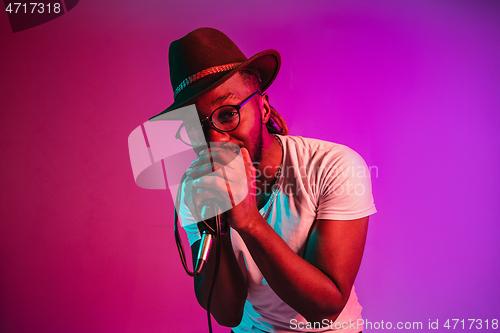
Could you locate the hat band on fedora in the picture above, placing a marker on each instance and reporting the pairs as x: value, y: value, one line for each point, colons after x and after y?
x: 202, y: 74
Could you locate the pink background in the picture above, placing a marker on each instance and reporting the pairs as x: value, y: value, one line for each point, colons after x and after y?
x: 413, y: 86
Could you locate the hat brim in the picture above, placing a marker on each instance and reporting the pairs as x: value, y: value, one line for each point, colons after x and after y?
x: 267, y: 63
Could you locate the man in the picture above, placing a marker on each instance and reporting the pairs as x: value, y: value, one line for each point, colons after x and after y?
x: 294, y: 248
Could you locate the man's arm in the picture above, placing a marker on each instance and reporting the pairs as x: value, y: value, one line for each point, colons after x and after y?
x: 230, y: 290
x: 318, y: 285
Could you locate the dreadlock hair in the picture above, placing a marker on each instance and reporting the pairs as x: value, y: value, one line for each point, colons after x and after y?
x: 276, y: 123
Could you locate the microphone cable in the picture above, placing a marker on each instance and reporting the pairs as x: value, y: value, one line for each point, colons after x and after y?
x: 217, y: 262
x: 178, y: 242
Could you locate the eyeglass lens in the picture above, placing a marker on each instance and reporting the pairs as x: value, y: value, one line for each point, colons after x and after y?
x: 224, y: 119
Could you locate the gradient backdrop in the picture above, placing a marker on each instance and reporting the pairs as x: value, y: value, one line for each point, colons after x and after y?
x: 413, y: 86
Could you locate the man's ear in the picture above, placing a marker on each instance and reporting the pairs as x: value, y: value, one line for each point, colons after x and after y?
x: 266, y: 108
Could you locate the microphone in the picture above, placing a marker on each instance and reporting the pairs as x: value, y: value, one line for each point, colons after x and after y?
x: 206, y: 235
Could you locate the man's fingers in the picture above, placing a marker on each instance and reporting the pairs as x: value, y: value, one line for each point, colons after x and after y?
x: 221, y: 155
x: 203, y: 170
x: 215, y: 159
x: 203, y: 194
x: 246, y: 155
x: 215, y: 181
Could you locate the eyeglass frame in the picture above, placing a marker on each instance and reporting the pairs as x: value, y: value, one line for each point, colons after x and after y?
x: 237, y: 107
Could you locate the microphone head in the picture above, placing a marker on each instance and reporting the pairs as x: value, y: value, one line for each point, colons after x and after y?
x: 210, y: 209
x: 210, y: 212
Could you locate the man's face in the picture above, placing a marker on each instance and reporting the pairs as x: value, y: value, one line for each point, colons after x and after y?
x: 249, y: 132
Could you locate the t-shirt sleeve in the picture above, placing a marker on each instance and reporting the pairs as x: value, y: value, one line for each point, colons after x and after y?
x: 345, y: 189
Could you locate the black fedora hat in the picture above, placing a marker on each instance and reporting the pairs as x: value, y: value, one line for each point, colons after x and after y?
x: 204, y: 59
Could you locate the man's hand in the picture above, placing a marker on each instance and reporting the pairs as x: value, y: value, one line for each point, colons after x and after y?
x: 226, y: 176
x: 223, y: 175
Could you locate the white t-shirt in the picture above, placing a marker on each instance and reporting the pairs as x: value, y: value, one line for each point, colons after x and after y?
x: 319, y: 180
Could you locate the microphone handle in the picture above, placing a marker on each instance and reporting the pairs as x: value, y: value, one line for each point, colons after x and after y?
x: 204, y: 250
x: 206, y: 239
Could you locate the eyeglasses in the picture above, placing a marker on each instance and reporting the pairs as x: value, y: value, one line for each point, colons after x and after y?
x: 225, y: 118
